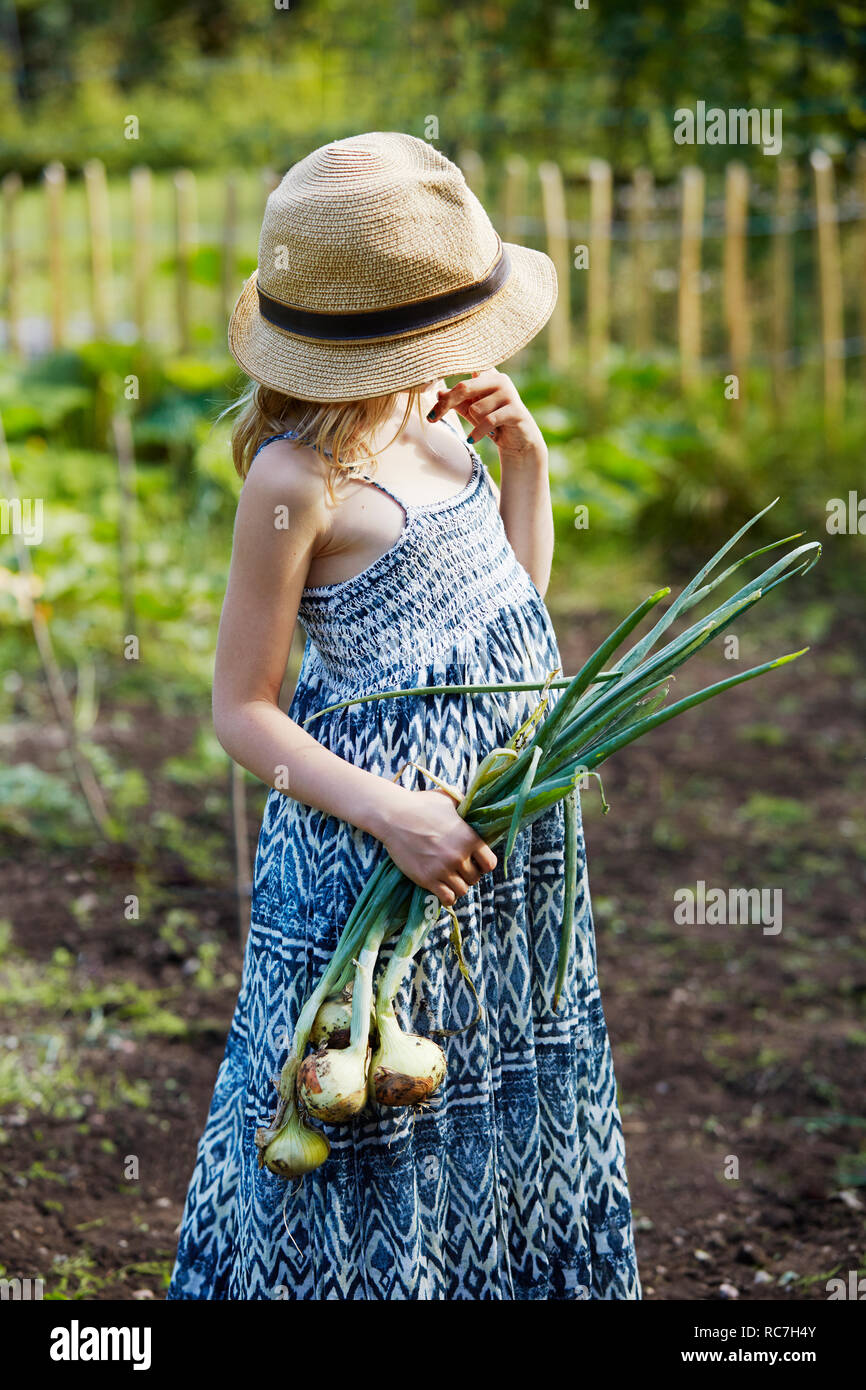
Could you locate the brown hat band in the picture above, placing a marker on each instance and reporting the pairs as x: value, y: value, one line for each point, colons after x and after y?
x: 385, y: 323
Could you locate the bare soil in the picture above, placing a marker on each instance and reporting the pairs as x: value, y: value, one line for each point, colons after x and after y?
x: 739, y: 1053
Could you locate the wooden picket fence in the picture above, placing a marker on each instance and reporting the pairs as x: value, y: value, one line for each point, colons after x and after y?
x: 609, y: 259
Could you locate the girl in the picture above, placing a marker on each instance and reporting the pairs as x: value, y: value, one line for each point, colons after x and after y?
x: 365, y: 514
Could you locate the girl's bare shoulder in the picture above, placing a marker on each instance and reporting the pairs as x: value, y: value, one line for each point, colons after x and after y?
x: 286, y: 471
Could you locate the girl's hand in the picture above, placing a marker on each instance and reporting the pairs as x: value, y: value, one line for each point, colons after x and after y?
x: 490, y: 402
x: 435, y: 847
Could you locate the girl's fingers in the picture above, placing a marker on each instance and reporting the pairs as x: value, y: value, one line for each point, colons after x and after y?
x: 467, y: 407
x: 481, y: 858
x: 458, y: 885
x: 485, y: 859
x: 489, y: 424
x: 464, y: 397
x: 444, y: 894
x: 486, y: 416
x: 481, y: 861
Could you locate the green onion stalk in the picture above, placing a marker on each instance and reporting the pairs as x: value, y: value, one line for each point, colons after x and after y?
x: 599, y: 711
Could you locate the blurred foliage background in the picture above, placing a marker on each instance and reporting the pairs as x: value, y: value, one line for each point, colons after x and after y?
x: 236, y: 81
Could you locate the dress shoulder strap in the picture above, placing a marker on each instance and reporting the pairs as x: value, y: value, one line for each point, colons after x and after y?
x: 453, y: 428
x: 408, y: 506
x: 365, y: 477
x: 286, y: 434
x: 359, y: 477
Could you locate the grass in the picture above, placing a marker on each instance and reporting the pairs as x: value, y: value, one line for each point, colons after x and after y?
x: 56, y: 1018
x: 47, y: 1076
x: 74, y: 1278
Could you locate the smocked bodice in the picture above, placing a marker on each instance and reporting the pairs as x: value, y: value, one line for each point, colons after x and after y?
x: 443, y: 583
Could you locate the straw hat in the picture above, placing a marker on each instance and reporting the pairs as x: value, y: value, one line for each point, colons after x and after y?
x: 378, y: 270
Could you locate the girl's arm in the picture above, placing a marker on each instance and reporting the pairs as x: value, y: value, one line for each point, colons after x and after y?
x: 422, y: 831
x: 489, y: 401
x: 524, y: 504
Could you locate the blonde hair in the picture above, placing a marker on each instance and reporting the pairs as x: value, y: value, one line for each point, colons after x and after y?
x: 337, y: 430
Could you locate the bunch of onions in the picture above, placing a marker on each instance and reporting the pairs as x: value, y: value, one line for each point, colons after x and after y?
x: 288, y: 1146
x: 544, y: 762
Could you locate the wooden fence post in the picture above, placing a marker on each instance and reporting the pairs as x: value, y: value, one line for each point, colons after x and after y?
x: 641, y: 259
x: 270, y: 181
x: 185, y: 237
x: 781, y: 277
x: 689, y: 307
x: 11, y: 261
x: 513, y: 209
x: 556, y: 224
x: 229, y: 250
x: 598, y: 289
x: 830, y: 277
x: 514, y: 196
x: 99, y: 218
x: 140, y: 190
x: 54, y: 178
x: 472, y: 166
x: 735, y: 291
x: 860, y: 177
x: 121, y: 428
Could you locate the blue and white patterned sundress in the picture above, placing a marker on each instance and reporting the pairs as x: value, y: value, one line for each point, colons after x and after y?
x: 511, y: 1183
